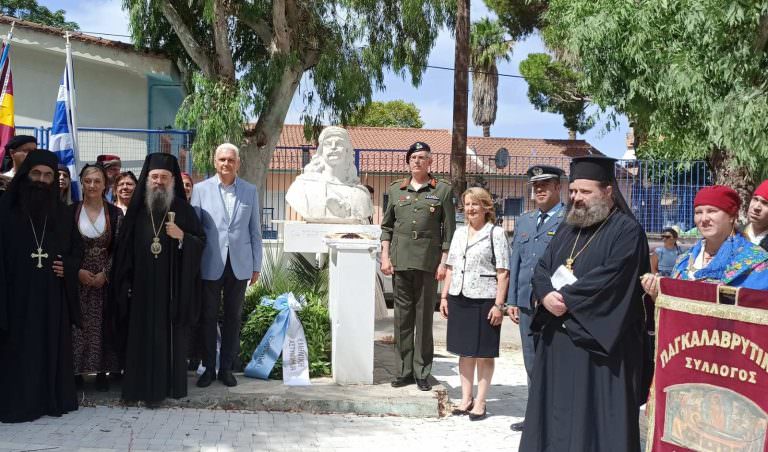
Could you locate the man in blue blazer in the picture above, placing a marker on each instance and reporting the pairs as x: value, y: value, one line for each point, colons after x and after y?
x: 229, y: 211
x: 533, y: 232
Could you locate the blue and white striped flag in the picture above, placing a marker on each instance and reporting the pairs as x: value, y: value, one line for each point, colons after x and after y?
x: 63, y: 139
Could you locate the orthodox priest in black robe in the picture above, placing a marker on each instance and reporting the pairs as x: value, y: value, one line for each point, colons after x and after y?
x: 39, y: 260
x: 587, y: 381
x: 157, y: 283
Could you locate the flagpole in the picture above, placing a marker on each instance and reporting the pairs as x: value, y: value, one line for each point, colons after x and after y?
x: 72, y: 103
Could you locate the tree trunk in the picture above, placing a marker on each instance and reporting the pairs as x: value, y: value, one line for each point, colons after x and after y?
x: 725, y: 171
x: 260, y: 141
x: 486, y: 130
x: 571, y: 134
x: 460, y: 100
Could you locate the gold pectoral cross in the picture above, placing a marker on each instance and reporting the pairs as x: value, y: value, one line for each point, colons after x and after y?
x: 39, y: 256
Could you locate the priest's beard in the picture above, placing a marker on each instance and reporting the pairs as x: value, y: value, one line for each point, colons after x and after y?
x: 584, y: 215
x: 37, y: 199
x: 158, y: 200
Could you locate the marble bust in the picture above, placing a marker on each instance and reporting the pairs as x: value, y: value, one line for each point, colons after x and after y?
x: 329, y: 189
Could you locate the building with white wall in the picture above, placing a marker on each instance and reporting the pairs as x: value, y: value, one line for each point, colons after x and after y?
x: 118, y: 86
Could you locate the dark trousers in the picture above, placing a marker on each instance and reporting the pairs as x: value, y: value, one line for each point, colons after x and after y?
x: 232, y: 291
x: 414, y: 292
x: 529, y: 351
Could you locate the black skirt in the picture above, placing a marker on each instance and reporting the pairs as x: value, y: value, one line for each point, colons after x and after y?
x: 470, y: 332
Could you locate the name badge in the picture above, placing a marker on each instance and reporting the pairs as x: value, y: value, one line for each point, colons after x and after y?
x: 432, y: 197
x: 550, y: 233
x: 562, y: 277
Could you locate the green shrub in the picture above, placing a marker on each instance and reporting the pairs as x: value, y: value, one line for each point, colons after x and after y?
x: 303, y: 279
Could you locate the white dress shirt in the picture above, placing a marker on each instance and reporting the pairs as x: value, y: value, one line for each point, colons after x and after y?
x: 472, y: 273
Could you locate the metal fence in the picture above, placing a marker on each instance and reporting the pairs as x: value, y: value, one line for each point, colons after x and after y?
x: 132, y: 145
x: 659, y: 192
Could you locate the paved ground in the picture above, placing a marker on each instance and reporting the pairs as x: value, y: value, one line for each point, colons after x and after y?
x: 103, y: 428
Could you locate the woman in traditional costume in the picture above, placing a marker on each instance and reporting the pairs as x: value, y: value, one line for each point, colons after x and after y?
x: 723, y: 255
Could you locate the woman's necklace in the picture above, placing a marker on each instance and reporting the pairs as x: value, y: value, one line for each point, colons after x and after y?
x: 156, y: 248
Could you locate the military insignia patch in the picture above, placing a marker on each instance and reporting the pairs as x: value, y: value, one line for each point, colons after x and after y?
x: 538, y: 171
x: 418, y: 146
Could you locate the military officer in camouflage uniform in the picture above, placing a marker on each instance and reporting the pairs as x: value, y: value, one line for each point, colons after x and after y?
x: 533, y: 232
x: 416, y: 234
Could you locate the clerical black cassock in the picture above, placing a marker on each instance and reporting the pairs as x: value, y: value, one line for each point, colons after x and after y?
x: 37, y: 307
x: 586, y: 385
x: 157, y: 294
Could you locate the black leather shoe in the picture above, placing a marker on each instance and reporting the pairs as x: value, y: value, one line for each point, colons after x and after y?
x: 399, y: 382
x: 423, y: 384
x: 478, y: 417
x: 226, y: 377
x: 516, y: 427
x: 206, y: 378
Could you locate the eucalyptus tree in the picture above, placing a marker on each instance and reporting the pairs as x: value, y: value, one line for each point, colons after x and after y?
x: 488, y: 45
x: 692, y: 75
x: 246, y: 59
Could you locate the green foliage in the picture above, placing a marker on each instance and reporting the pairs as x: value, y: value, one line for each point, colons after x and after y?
x: 336, y: 50
x: 395, y: 113
x: 691, y: 74
x: 215, y: 110
x: 553, y: 87
x: 519, y: 17
x: 29, y: 10
x: 302, y: 278
x: 488, y: 44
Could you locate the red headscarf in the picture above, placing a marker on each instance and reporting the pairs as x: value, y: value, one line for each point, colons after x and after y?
x: 762, y: 190
x: 720, y: 196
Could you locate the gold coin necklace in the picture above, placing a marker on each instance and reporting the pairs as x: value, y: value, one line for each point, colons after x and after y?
x: 156, y: 248
x: 572, y: 258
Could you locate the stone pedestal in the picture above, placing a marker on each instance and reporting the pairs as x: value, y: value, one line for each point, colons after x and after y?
x: 301, y: 237
x: 351, y: 306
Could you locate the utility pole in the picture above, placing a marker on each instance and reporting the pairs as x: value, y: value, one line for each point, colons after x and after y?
x: 460, y: 101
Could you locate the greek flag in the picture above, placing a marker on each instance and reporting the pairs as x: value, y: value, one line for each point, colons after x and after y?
x: 63, y: 139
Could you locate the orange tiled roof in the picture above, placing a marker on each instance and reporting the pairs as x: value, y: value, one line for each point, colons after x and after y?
x: 382, y: 150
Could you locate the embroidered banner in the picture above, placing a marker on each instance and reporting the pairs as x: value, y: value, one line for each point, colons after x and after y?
x: 710, y: 390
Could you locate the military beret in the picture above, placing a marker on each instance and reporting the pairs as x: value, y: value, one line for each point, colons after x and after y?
x: 416, y: 147
x: 543, y: 172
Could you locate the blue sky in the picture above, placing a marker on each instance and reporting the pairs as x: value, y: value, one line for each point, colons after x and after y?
x: 515, y: 118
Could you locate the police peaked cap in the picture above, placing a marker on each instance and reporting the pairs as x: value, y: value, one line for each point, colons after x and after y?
x: 543, y: 172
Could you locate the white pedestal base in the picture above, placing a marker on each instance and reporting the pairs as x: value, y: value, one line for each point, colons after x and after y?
x: 351, y: 306
x: 300, y: 237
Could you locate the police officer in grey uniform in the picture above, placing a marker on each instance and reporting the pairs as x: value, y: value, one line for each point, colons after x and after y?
x: 416, y: 234
x: 533, y: 232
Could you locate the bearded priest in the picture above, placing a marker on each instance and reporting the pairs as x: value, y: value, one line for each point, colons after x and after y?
x: 157, y: 283
x: 587, y: 378
x: 40, y: 255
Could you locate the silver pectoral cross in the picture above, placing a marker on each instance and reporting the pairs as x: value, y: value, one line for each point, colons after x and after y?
x: 39, y: 256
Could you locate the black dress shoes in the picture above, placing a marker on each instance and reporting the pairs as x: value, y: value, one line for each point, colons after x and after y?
x: 516, y: 427
x: 226, y: 377
x: 423, y: 385
x: 399, y: 382
x: 206, y: 378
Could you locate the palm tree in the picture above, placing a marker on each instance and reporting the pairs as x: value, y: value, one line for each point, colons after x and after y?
x: 487, y: 45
